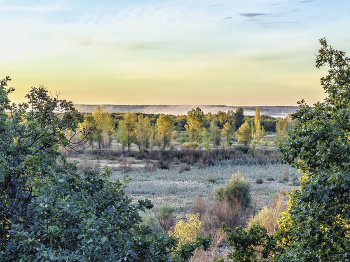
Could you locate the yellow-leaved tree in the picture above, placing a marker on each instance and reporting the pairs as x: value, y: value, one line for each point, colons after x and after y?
x: 165, y: 125
x: 104, y: 127
x: 187, y: 228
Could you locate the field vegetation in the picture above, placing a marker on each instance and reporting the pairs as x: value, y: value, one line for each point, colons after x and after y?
x: 200, y: 187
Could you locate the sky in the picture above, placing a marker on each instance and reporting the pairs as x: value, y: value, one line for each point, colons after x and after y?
x: 225, y: 52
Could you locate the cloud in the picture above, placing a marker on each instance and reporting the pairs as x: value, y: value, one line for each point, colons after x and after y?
x: 230, y: 17
x: 249, y: 15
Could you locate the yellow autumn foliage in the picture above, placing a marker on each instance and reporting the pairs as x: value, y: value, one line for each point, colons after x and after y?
x: 187, y: 228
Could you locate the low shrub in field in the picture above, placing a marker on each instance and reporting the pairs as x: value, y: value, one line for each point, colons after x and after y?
x: 236, y: 190
x: 163, y: 165
x: 151, y: 221
x: 232, y: 215
x: 165, y: 216
x: 187, y: 228
x: 150, y: 167
x: 184, y: 167
x: 259, y: 180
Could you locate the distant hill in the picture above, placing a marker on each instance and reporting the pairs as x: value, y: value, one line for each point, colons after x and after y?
x: 275, y: 111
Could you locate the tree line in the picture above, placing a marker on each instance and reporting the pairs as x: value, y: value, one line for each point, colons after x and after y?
x: 149, y: 130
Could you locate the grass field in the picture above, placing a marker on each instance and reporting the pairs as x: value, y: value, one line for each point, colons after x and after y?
x: 179, y: 189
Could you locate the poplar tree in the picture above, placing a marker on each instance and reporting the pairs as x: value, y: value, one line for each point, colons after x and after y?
x: 257, y: 123
x: 195, y: 121
x: 165, y: 125
x: 104, y: 126
x: 130, y: 122
x: 143, y: 126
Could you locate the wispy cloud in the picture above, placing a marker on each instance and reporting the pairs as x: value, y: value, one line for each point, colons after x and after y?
x: 249, y: 15
x: 230, y: 17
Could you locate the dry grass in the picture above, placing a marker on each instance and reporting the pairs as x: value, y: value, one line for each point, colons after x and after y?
x: 269, y: 214
x: 86, y: 163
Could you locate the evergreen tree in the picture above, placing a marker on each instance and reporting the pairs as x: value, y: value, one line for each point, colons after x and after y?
x: 244, y: 133
x: 239, y: 117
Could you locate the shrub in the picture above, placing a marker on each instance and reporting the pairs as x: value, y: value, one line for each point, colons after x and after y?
x: 187, y: 228
x: 151, y: 221
x: 165, y: 216
x: 184, y: 167
x: 212, y: 180
x: 150, y: 167
x: 259, y: 180
x: 269, y: 215
x: 236, y: 190
x: 163, y: 165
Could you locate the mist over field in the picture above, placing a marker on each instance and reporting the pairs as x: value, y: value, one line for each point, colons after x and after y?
x: 274, y: 111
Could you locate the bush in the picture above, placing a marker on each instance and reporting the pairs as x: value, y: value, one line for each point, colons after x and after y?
x: 151, y: 221
x: 187, y: 228
x: 165, y: 216
x: 50, y: 211
x: 163, y: 165
x: 269, y: 215
x: 236, y: 190
x: 259, y: 180
x: 184, y: 167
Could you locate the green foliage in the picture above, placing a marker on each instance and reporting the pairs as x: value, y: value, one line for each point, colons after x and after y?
x: 130, y: 123
x: 104, y: 127
x: 244, y: 133
x: 195, y: 121
x: 185, y: 251
x: 143, y: 131
x: 49, y: 211
x: 228, y: 131
x: 206, y: 139
x: 151, y: 221
x: 165, y: 126
x: 315, y: 227
x: 245, y: 244
x: 238, y: 117
x: 165, y: 216
x: 257, y: 131
x: 281, y: 131
x: 122, y: 134
x: 236, y: 189
x: 89, y: 123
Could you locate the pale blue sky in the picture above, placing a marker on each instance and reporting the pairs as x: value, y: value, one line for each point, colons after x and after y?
x: 171, y: 52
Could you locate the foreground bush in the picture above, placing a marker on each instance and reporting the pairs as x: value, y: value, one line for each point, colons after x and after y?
x: 315, y: 226
x: 51, y: 212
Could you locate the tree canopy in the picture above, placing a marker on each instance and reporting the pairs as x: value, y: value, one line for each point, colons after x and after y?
x: 51, y: 212
x: 315, y: 226
x: 195, y: 121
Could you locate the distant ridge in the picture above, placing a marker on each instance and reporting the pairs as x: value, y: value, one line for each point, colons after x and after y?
x: 275, y: 111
